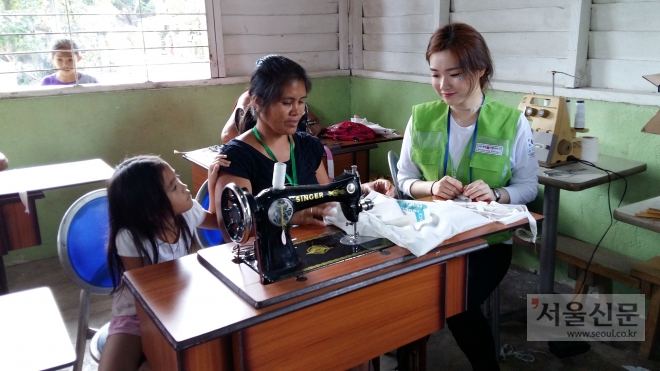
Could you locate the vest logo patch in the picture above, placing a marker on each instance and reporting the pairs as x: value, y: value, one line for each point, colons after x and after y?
x: 531, y: 150
x: 489, y: 149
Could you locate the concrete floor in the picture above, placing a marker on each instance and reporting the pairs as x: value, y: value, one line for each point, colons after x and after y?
x: 443, y: 353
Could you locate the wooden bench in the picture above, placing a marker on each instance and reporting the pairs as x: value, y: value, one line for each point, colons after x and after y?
x: 605, y: 266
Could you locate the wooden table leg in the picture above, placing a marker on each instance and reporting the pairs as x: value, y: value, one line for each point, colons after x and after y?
x: 652, y: 323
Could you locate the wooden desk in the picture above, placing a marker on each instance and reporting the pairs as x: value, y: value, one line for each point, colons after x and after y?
x: 583, y: 179
x: 190, y: 320
x: 648, y: 271
x: 344, y: 154
x: 33, y: 333
x: 626, y: 214
x: 19, y: 229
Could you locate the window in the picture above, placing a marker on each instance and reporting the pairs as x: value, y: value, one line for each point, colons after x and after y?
x: 120, y: 41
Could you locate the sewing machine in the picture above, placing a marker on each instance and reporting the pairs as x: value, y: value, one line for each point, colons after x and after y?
x: 554, y: 138
x: 270, y: 212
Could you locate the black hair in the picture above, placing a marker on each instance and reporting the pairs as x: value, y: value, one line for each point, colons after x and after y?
x: 138, y: 203
x: 271, y: 75
x: 65, y: 45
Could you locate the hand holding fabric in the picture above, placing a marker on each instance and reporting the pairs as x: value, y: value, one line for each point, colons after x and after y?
x: 379, y: 185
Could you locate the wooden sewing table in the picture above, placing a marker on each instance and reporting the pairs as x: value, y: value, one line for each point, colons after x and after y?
x: 376, y: 302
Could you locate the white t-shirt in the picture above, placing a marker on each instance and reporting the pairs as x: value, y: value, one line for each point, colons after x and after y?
x: 123, y: 303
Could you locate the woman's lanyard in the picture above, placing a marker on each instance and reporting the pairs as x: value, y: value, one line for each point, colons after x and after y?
x: 472, y: 146
x: 270, y: 153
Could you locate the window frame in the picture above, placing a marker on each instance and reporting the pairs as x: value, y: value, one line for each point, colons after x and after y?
x: 216, y: 65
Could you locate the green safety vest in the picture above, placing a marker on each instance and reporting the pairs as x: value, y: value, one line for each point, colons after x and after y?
x: 491, y: 160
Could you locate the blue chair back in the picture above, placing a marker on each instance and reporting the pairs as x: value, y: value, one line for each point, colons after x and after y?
x: 81, y: 242
x: 206, y: 237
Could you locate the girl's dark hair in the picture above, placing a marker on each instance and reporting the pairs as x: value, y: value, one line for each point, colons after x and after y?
x: 138, y: 203
x: 271, y: 74
x: 65, y: 45
x: 469, y: 48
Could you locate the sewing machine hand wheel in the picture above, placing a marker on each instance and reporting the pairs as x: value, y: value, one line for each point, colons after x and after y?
x: 235, y: 204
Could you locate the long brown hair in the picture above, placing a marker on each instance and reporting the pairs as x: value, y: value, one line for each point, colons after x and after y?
x: 469, y: 48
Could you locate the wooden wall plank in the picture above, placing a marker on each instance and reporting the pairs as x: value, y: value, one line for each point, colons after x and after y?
x: 242, y: 65
x: 536, y: 70
x: 214, y: 35
x: 402, y: 43
x: 621, y: 74
x: 516, y: 20
x: 638, y: 16
x: 531, y: 44
x: 343, y: 41
x: 280, y: 24
x: 625, y: 45
x: 355, y: 20
x: 471, y: 5
x: 275, y: 44
x: 402, y: 24
x: 441, y: 13
x: 578, y: 42
x: 394, y: 8
x: 414, y: 63
x: 619, y: 1
x: 278, y: 7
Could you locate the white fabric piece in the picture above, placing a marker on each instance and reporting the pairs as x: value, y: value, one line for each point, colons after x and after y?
x: 418, y: 226
x: 24, y: 199
x: 375, y: 127
x: 501, y: 213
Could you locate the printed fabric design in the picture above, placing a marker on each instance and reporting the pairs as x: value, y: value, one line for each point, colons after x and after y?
x: 348, y: 130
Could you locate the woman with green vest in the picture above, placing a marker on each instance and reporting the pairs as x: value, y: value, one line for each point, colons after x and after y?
x: 469, y: 145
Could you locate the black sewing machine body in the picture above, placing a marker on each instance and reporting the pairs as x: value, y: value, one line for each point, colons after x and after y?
x: 270, y: 212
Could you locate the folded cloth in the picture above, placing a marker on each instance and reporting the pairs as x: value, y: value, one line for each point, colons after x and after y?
x: 502, y: 213
x: 418, y: 226
x: 375, y: 127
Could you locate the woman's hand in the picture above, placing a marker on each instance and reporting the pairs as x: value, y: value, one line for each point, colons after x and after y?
x: 212, y: 220
x: 447, y: 188
x: 479, y: 191
x: 379, y: 185
x: 309, y: 215
x: 214, y: 169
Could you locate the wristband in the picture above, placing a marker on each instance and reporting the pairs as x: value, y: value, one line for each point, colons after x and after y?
x: 432, y: 184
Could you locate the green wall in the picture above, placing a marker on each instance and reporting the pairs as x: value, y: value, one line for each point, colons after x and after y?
x: 113, y: 125
x: 583, y: 215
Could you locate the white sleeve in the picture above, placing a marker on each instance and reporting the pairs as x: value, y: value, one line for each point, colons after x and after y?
x: 523, y: 185
x: 195, y: 216
x: 125, y: 245
x: 408, y: 172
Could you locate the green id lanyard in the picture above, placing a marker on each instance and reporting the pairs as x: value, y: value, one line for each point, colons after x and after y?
x: 272, y: 156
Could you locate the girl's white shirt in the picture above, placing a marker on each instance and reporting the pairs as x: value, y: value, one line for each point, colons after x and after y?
x: 123, y: 303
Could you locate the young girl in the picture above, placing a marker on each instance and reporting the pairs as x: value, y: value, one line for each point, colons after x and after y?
x: 64, y: 56
x: 152, y: 217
